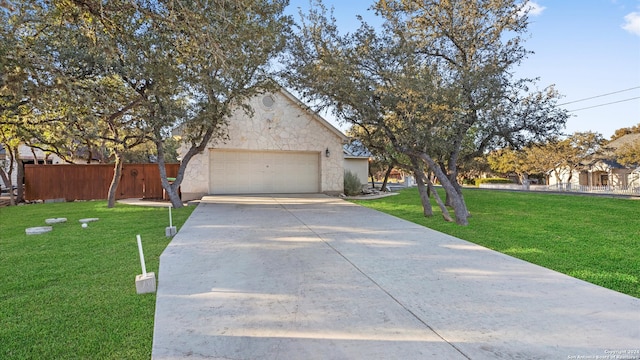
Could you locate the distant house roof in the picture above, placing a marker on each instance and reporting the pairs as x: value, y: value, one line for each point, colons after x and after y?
x: 612, y: 163
x: 355, y: 149
x: 608, y: 154
x: 623, y: 140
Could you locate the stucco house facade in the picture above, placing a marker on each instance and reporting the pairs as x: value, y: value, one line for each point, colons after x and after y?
x: 356, y: 160
x: 284, y: 147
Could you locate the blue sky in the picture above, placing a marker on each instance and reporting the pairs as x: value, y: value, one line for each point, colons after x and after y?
x: 587, y: 48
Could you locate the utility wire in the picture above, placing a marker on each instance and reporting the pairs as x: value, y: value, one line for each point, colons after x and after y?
x: 597, y: 96
x: 614, y: 102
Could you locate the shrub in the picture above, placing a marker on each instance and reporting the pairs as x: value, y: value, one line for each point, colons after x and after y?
x: 352, y: 185
x: 467, y: 181
x: 493, y: 181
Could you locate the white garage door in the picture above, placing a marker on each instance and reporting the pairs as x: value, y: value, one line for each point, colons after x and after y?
x: 260, y: 172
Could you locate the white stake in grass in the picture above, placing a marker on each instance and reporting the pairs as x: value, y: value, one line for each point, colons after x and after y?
x: 146, y: 282
x: 171, y: 230
x: 144, y: 268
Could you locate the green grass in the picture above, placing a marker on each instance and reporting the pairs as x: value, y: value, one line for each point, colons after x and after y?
x: 591, y: 238
x: 70, y: 293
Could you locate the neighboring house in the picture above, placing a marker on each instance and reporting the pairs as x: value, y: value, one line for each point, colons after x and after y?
x: 27, y: 155
x: 284, y: 147
x: 356, y: 160
x: 603, y: 170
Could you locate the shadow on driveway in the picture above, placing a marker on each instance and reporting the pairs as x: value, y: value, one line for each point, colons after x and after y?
x: 314, y: 277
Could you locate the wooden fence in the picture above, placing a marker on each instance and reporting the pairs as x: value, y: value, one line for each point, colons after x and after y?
x: 91, y: 182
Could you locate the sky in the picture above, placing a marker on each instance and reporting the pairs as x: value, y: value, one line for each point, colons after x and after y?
x: 588, y: 49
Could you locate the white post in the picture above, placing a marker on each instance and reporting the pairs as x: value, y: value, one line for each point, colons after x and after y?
x: 144, y: 268
x: 170, y: 219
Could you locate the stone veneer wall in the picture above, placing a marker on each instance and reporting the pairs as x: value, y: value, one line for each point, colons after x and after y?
x: 284, y: 126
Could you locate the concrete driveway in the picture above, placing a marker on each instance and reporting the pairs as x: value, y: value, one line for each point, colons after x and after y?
x: 314, y: 277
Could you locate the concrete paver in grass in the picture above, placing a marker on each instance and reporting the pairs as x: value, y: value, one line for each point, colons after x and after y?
x: 314, y: 277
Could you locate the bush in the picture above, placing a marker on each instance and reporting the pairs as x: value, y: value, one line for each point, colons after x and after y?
x: 352, y: 185
x: 467, y: 181
x: 493, y: 181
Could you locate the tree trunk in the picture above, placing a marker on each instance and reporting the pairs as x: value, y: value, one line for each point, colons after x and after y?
x: 171, y: 189
x: 6, y: 179
x: 13, y: 160
x: 422, y: 189
x: 448, y: 201
x: 117, y: 173
x: 452, y: 175
x: 19, y: 181
x: 373, y: 184
x: 443, y: 207
x: 386, y: 178
x: 457, y: 202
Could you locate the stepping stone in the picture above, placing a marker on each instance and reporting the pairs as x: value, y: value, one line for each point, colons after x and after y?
x: 38, y: 230
x: 55, y: 220
x: 88, y: 220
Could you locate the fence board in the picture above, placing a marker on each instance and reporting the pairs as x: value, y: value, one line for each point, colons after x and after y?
x: 92, y: 181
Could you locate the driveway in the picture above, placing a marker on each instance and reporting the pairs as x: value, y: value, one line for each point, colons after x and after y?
x: 315, y: 277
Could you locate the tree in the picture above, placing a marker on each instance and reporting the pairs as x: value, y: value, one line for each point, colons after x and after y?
x: 384, y: 158
x: 122, y: 73
x: 508, y: 161
x: 549, y: 157
x: 560, y: 156
x: 436, y: 81
x: 624, y: 131
x: 473, y: 45
x: 629, y: 154
x: 244, y: 36
x: 10, y: 142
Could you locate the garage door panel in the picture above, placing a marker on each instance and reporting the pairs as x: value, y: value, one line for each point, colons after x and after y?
x: 254, y: 172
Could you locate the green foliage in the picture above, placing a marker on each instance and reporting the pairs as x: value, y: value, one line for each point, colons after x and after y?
x: 542, y: 229
x: 624, y: 131
x: 435, y: 82
x: 629, y: 154
x: 493, y: 181
x: 114, y: 75
x: 352, y: 184
x: 70, y: 293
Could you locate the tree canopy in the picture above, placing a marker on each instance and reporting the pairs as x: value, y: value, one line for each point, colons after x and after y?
x: 121, y: 73
x: 436, y: 80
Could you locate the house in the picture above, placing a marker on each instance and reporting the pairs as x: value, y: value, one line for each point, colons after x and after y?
x: 602, y: 171
x: 284, y: 147
x: 26, y: 155
x: 356, y: 159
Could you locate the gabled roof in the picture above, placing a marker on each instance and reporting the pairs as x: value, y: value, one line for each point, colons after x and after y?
x: 177, y: 131
x: 355, y: 149
x: 314, y: 114
x: 623, y: 140
x: 610, y: 163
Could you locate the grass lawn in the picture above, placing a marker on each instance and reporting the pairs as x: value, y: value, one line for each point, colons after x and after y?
x: 70, y: 293
x: 591, y: 238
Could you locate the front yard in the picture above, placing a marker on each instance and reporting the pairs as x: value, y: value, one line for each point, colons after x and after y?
x: 70, y: 293
x: 591, y: 238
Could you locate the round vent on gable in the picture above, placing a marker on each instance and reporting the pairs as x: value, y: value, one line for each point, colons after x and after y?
x: 268, y: 101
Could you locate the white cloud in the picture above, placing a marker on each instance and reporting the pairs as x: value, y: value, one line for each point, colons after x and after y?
x: 632, y: 23
x: 531, y: 8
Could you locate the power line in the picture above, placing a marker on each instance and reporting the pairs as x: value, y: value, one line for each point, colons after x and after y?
x: 598, y: 96
x: 614, y: 102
